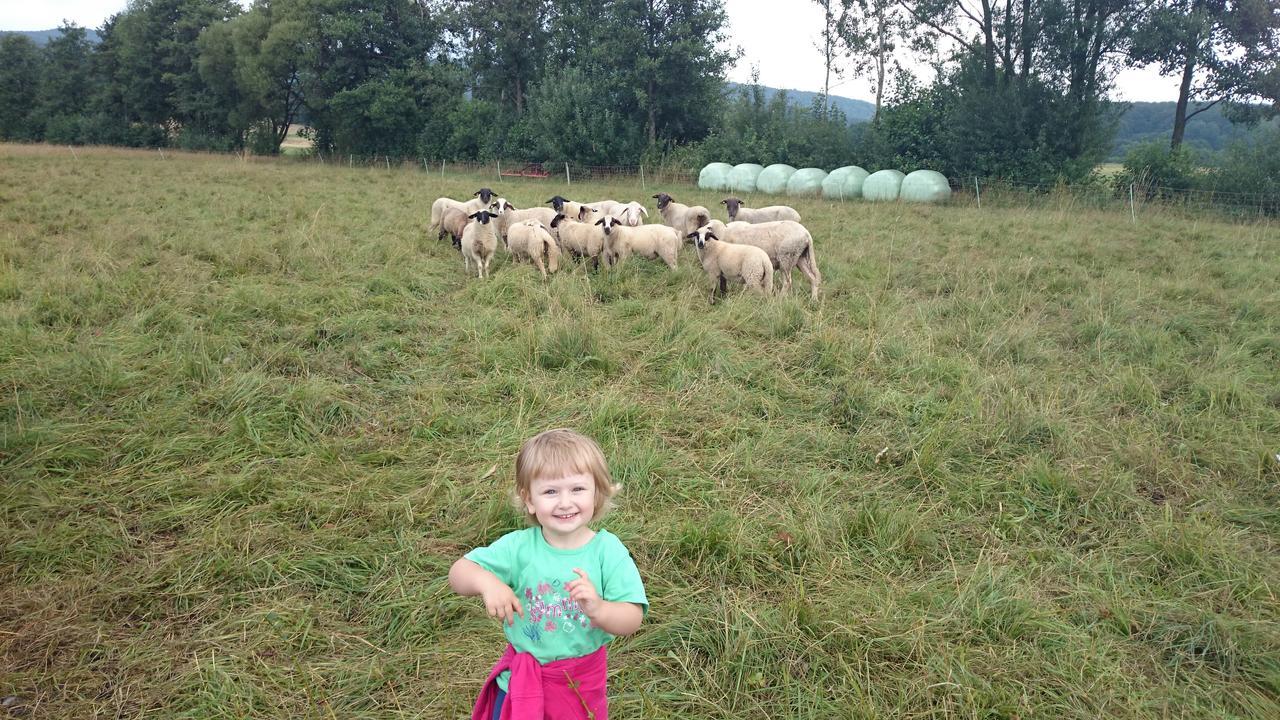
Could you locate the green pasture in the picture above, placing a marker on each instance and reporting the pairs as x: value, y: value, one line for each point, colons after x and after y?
x: 1015, y: 463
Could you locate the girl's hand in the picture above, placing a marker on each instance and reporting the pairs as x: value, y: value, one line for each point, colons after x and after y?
x: 584, y: 593
x: 501, y: 602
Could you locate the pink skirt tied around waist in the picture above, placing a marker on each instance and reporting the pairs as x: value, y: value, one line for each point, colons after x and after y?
x: 569, y: 689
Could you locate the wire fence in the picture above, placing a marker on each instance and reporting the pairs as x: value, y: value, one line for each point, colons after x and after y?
x: 1131, y: 199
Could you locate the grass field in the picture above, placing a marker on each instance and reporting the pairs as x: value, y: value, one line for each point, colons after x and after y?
x: 1013, y: 464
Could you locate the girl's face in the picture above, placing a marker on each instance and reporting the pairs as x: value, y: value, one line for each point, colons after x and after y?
x: 563, y: 506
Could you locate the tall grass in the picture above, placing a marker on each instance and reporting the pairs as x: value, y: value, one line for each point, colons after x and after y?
x: 1013, y: 464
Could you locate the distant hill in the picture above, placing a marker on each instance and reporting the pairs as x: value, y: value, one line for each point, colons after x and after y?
x: 1209, y: 132
x: 40, y: 37
x: 855, y: 110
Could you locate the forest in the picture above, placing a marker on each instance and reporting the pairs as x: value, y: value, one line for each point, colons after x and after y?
x: 1021, y: 89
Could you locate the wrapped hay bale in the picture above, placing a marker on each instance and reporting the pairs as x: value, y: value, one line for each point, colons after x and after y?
x: 773, y: 179
x: 715, y: 176
x: 806, y: 182
x: 834, y: 186
x: 925, y: 186
x: 743, y: 177
x: 882, y: 185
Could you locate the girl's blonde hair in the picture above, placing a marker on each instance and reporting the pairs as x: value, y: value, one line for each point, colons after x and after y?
x: 555, y: 454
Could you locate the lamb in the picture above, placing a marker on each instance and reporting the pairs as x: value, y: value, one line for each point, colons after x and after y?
x: 479, y: 241
x: 654, y: 242
x: 511, y: 216
x: 581, y: 239
x: 771, y: 213
x: 529, y: 240
x: 684, y: 218
x: 573, y: 210
x: 630, y: 214
x: 788, y: 244
x: 724, y: 261
x: 483, y: 200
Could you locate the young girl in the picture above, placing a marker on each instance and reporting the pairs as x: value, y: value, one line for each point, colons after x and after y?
x: 561, y: 589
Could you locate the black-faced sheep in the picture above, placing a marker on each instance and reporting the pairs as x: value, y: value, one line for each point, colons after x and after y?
x: 684, y: 218
x: 570, y: 209
x: 771, y: 213
x: 530, y: 240
x: 479, y: 243
x: 483, y: 200
x: 652, y: 242
x: 583, y: 240
x: 788, y: 244
x: 724, y: 261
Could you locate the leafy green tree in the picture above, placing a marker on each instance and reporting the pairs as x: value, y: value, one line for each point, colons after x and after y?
x: 252, y: 65
x: 64, y: 84
x: 19, y: 86
x: 508, y: 41
x: 869, y: 32
x: 1224, y: 50
x: 574, y: 125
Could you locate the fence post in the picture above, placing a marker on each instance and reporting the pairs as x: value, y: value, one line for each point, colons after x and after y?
x: 74, y: 154
x: 567, y: 181
x: 1133, y: 214
x: 641, y: 177
x: 161, y: 151
x: 424, y: 165
x: 977, y: 191
x: 499, y: 170
x: 442, y: 168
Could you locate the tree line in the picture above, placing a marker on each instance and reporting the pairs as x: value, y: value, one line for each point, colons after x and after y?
x: 1020, y: 88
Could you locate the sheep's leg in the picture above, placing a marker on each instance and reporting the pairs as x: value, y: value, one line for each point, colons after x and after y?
x: 810, y: 270
x: 724, y: 285
x: 785, y: 268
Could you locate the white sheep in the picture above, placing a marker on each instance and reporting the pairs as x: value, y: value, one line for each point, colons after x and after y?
x: 583, y: 240
x: 724, y: 261
x: 653, y: 242
x: 788, y: 244
x: 483, y: 200
x: 479, y: 242
x: 630, y: 214
x: 530, y: 240
x: 771, y: 213
x: 570, y: 209
x: 604, y: 208
x: 684, y: 218
x: 511, y: 216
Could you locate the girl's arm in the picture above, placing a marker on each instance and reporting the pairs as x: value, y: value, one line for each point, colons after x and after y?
x: 615, y: 618
x: 468, y: 579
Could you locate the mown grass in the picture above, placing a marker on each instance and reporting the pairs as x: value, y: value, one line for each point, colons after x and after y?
x: 1014, y: 464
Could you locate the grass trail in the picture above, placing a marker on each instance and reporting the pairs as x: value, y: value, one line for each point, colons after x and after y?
x: 1014, y: 464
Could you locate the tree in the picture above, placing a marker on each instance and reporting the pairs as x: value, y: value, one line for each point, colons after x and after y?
x: 833, y: 18
x: 252, y: 65
x: 19, y: 86
x: 64, y: 84
x: 1224, y: 50
x: 508, y: 43
x: 869, y: 31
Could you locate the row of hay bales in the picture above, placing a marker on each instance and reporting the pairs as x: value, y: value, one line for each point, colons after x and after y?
x: 846, y: 183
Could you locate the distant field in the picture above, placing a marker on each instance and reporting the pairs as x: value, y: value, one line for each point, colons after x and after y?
x: 1013, y: 464
x: 294, y: 143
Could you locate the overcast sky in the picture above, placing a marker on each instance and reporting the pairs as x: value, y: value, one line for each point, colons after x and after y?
x: 776, y: 35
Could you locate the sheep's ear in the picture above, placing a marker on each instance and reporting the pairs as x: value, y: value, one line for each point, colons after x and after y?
x: 600, y: 222
x: 691, y: 236
x: 473, y: 215
x: 712, y: 236
x: 646, y: 212
x: 508, y: 206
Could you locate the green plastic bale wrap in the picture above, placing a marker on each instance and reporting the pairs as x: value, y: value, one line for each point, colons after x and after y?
x: 853, y: 183
x: 882, y: 185
x: 806, y: 182
x: 743, y: 177
x: 833, y: 188
x: 773, y: 179
x: 925, y: 186
x: 715, y: 176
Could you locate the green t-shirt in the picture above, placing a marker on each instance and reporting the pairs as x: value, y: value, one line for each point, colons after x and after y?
x: 553, y: 626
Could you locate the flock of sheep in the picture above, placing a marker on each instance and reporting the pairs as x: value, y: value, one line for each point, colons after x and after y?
x: 748, y: 248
